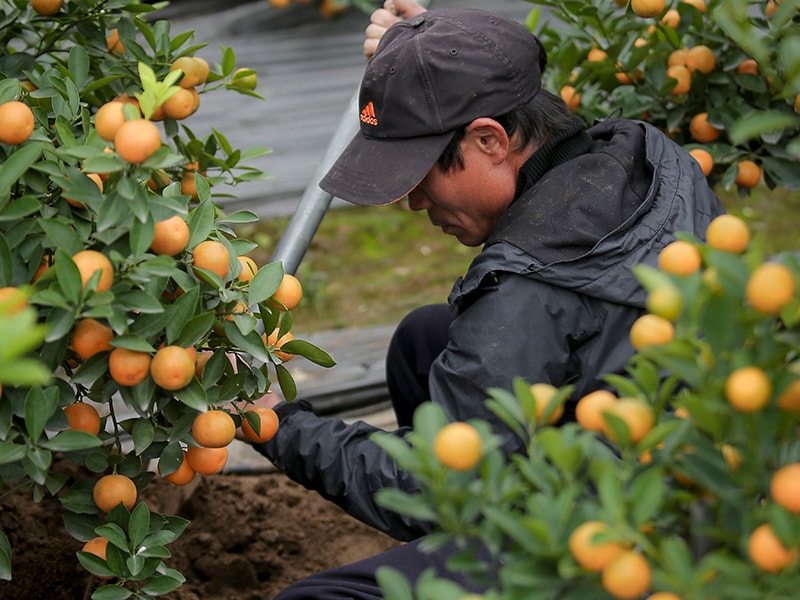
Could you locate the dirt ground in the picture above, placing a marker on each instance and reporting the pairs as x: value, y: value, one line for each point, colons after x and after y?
x: 249, y: 536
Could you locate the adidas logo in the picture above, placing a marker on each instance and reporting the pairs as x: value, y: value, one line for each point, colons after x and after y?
x: 368, y: 115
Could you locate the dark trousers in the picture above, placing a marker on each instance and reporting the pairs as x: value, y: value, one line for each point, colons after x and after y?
x: 356, y: 581
x: 419, y: 338
x: 417, y: 341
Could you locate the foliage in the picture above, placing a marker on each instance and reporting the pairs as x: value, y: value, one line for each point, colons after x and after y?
x: 753, y: 110
x: 64, y: 68
x: 687, y: 496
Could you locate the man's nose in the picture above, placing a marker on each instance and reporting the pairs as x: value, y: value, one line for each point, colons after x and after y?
x: 418, y: 200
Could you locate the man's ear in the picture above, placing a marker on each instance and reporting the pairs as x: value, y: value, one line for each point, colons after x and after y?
x: 489, y: 137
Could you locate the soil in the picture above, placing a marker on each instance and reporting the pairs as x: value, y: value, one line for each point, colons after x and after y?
x: 249, y: 536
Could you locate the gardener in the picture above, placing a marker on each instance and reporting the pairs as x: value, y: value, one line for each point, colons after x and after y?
x: 452, y: 116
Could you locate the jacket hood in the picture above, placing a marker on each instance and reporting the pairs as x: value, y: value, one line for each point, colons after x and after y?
x: 585, y: 223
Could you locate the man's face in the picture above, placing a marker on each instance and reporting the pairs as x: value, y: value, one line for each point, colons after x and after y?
x: 466, y: 203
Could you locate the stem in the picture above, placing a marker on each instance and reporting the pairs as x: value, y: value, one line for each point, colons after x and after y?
x: 117, y: 441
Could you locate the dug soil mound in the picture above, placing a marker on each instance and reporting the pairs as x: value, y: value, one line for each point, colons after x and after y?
x: 249, y: 536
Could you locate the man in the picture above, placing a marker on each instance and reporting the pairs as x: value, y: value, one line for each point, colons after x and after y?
x: 453, y: 117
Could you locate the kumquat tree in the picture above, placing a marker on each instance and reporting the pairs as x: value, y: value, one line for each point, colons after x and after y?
x: 681, y: 480
x: 136, y: 330
x: 719, y: 76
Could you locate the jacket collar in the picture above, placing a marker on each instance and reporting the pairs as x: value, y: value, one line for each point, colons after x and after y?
x: 569, y: 143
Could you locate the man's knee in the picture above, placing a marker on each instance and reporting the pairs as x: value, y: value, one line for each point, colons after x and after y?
x: 423, y: 331
x: 332, y: 585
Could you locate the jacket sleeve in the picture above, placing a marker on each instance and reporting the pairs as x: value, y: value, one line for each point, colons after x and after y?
x: 516, y: 328
x: 339, y: 461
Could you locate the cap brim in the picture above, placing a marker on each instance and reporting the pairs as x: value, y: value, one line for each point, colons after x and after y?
x: 374, y: 172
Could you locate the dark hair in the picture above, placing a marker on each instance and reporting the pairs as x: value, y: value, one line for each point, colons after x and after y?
x: 538, y: 120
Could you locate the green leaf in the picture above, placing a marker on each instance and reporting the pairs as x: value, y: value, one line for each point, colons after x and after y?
x: 181, y: 313
x: 309, y: 351
x: 201, y: 223
x: 396, y: 447
x: 161, y: 585
x: 103, y: 163
x: 19, y: 208
x: 37, y: 463
x: 609, y: 489
x: 514, y: 527
x: 240, y: 217
x: 753, y: 125
x: 69, y: 440
x: 14, y: 167
x: 78, y: 64
x: 108, y: 592
x: 215, y: 368
x: 147, y: 76
x: 286, y: 383
x: 647, y: 491
x: 68, y: 276
x: 567, y: 457
x: 97, y: 566
x: 193, y: 395
x: 228, y: 61
x: 252, y: 343
x: 78, y: 499
x: 59, y: 323
x: 139, y: 301
x: 405, y: 504
x: 265, y: 283
x: 20, y: 334
x: 676, y: 558
x: 394, y: 584
x: 91, y: 369
x: 80, y: 526
x: 114, y: 534
x: 195, y: 330
x: 429, y: 418
x: 113, y: 212
x: 141, y: 235
x: 143, y: 435
x: 40, y: 405
x: 6, y: 268
x: 61, y: 233
x: 139, y: 524
x: 133, y: 342
x: 10, y: 453
x: 211, y: 278
x: 170, y: 459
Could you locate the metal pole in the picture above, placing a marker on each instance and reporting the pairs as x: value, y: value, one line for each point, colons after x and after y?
x: 315, y: 202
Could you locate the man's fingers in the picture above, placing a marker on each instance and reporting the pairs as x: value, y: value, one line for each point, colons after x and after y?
x: 404, y: 8
x: 374, y: 31
x: 383, y: 18
x: 380, y: 21
x: 369, y: 48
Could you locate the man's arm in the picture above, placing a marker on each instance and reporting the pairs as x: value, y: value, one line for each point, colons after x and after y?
x: 340, y: 462
x: 519, y: 329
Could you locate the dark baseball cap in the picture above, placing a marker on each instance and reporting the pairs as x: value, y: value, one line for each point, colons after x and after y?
x: 431, y: 75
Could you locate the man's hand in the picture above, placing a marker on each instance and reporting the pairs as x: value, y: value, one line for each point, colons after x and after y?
x: 380, y: 20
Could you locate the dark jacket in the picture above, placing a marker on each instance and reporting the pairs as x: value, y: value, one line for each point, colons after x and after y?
x: 550, y: 298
